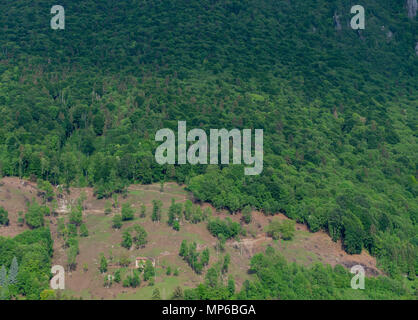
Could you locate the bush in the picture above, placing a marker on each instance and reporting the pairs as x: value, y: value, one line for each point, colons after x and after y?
x: 126, y: 240
x: 149, y: 271
x: 76, y: 216
x: 84, y: 232
x: 132, y: 280
x: 227, y: 228
x: 143, y: 211
x: 285, y: 229
x: 4, y: 217
x: 103, y: 264
x: 140, y: 238
x: 71, y: 230
x: 246, y: 214
x: 174, y: 214
x: 156, y: 210
x: 127, y: 212
x: 190, y: 255
x: 288, y: 229
x: 117, y: 221
x: 34, y: 217
x: 176, y: 225
x: 117, y: 276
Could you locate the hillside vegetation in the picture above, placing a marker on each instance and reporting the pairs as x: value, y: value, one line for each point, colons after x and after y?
x: 192, y: 262
x: 80, y: 106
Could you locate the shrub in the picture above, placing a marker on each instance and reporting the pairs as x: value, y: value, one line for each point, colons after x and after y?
x: 4, y: 217
x: 127, y: 212
x: 117, y: 221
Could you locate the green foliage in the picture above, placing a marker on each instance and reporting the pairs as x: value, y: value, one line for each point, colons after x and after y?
x: 132, y: 280
x: 35, y: 216
x: 76, y: 216
x: 338, y: 108
x: 207, y: 213
x: 3, y: 277
x: 127, y: 212
x: 84, y: 232
x: 104, y: 188
x: 47, y: 191
x: 117, y: 276
x: 197, y: 215
x: 124, y: 261
x: 156, y: 210
x: 103, y: 263
x: 221, y: 242
x: 205, y: 257
x: 48, y: 294
x: 20, y: 218
x: 188, y: 210
x: 231, y: 287
x: 246, y: 214
x: 149, y: 270
x: 174, y: 215
x: 13, y: 272
x: 183, y: 249
x: 176, y: 225
x: 284, y: 229
x: 277, y: 279
x: 72, y: 230
x: 225, y: 265
x: 177, y: 294
x: 191, y: 256
x: 61, y: 230
x: 117, y: 221
x: 353, y: 234
x: 227, y: 228
x: 126, y: 240
x: 156, y: 294
x: 140, y: 237
x: 72, y: 253
x: 143, y: 212
x: 212, y: 277
x: 4, y: 217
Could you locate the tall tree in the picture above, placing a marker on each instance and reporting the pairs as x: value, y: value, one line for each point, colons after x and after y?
x: 14, y: 269
x: 3, y: 277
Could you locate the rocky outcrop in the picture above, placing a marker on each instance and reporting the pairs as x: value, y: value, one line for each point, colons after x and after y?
x: 416, y: 48
x: 412, y: 7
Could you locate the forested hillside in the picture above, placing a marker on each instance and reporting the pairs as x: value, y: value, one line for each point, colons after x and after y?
x: 80, y: 106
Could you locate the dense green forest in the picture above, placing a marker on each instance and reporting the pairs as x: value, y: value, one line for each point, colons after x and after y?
x: 81, y: 106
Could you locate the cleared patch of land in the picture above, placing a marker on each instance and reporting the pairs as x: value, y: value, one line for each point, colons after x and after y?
x: 163, y: 245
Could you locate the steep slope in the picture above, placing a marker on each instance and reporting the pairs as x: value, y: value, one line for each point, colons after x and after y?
x: 81, y: 106
x: 85, y: 280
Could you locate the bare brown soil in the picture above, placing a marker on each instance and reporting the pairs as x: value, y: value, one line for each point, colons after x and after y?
x: 15, y: 195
